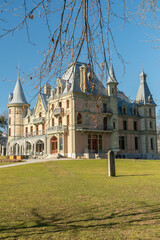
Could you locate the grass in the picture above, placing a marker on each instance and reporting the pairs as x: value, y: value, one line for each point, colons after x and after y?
x: 6, y: 163
x: 76, y: 200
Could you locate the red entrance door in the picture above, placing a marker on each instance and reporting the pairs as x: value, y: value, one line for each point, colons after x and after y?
x: 53, y: 145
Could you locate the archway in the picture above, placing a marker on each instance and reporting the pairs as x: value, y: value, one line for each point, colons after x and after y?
x: 28, y: 148
x: 40, y: 147
x: 53, y: 145
x: 16, y: 149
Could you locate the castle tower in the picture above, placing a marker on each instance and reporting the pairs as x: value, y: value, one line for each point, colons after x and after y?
x: 146, y: 110
x: 17, y: 106
x: 112, y: 82
x: 112, y: 94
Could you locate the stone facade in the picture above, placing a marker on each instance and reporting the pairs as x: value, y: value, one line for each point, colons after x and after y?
x: 82, y: 118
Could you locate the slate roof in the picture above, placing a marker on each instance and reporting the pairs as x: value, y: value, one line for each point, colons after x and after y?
x: 44, y: 101
x: 123, y: 100
x: 144, y: 95
x: 18, y: 94
x: 72, y: 75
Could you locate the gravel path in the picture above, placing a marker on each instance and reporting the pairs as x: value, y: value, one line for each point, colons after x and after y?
x: 29, y: 161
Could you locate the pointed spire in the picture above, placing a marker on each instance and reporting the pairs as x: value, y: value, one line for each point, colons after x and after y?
x: 18, y: 78
x: 18, y: 94
x: 144, y: 95
x: 111, y: 77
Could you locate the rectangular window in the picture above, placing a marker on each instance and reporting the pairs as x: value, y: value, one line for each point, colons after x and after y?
x: 135, y: 125
x: 31, y: 129
x: 52, y: 106
x: 151, y: 125
x: 100, y: 142
x: 43, y: 128
x: 28, y: 119
x: 9, y: 111
x: 105, y: 123
x: 60, y: 104
x: 150, y: 112
x: 124, y: 125
x: 122, y: 142
x: 136, y: 143
x: 9, y: 132
x: 104, y: 107
x: 26, y: 131
x: 61, y: 143
x: 60, y: 120
x: 67, y: 103
x: 89, y: 142
x: 114, y: 125
x: 67, y: 120
x: 9, y: 121
x: 52, y: 122
x: 152, y: 146
x: 37, y: 130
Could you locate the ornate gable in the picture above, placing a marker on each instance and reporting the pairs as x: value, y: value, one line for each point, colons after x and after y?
x: 39, y: 107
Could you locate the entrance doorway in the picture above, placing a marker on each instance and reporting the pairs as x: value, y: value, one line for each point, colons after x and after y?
x: 95, y: 143
x: 53, y: 145
x: 39, y: 147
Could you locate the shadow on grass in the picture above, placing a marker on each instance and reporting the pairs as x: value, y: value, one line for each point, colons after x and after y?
x: 135, y: 175
x: 97, y: 219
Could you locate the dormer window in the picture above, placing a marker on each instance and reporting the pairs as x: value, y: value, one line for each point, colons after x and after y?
x: 28, y: 119
x: 79, y: 118
x: 150, y: 112
x: 60, y: 90
x: 124, y: 110
x: 134, y: 111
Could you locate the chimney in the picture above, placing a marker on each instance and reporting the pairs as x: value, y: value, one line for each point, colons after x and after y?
x: 47, y: 89
x: 83, y: 78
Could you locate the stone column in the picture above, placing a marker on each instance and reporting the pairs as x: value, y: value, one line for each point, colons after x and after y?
x: 2, y: 150
x: 45, y: 145
x: 34, y: 150
x: 16, y: 149
x: 111, y: 164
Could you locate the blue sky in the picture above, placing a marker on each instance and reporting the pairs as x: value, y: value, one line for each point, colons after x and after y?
x: 133, y: 43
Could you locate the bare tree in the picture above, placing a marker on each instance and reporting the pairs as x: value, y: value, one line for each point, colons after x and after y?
x: 75, y: 28
x: 4, y: 122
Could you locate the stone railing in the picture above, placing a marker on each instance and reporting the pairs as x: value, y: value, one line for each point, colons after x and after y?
x: 107, y: 111
x: 58, y: 111
x: 93, y: 127
x: 59, y: 128
x: 39, y: 120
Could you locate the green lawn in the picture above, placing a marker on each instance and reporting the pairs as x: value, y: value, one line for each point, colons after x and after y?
x: 76, y: 200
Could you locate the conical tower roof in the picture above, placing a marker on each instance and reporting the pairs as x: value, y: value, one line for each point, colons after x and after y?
x: 18, y: 94
x: 144, y: 95
x: 111, y: 77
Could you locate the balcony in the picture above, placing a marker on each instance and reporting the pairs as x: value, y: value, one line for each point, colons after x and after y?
x: 39, y: 120
x: 58, y: 111
x: 94, y: 128
x: 59, y: 128
x: 107, y: 112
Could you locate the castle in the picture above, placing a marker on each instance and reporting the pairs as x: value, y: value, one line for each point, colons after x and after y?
x: 82, y: 118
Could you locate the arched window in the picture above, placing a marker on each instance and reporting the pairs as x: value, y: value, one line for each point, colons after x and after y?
x: 40, y: 114
x: 79, y: 118
x: 124, y: 110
